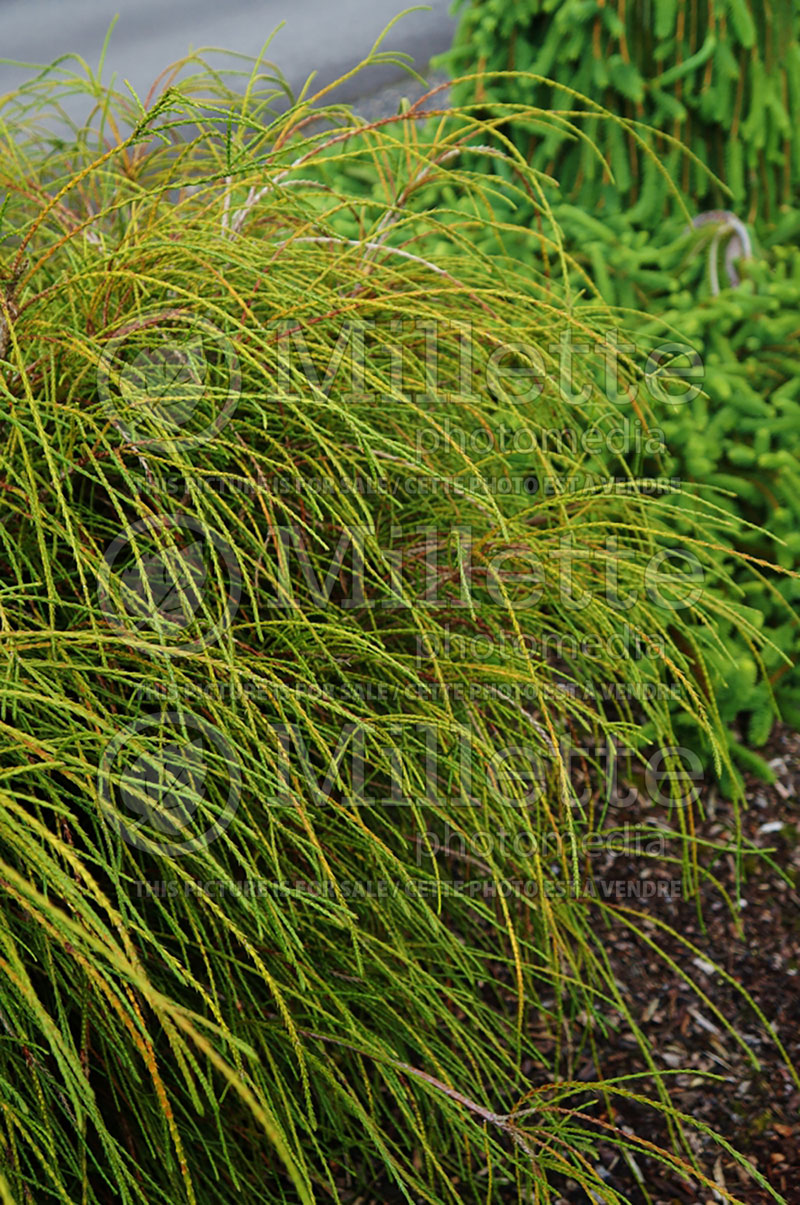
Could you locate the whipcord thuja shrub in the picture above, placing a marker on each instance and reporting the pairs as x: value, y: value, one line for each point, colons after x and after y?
x: 298, y: 756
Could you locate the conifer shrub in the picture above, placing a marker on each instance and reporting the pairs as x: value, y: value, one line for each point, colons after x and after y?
x: 299, y: 787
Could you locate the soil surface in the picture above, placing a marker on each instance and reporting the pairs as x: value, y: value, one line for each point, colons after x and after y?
x: 755, y: 939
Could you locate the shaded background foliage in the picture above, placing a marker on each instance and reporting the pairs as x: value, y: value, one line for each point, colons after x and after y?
x: 722, y: 77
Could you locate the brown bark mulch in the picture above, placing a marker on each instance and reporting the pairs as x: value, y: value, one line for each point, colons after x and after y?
x: 756, y: 1109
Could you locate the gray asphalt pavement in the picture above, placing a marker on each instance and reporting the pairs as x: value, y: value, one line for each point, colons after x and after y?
x: 326, y: 36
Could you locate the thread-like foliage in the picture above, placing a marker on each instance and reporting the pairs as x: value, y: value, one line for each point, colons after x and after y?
x: 240, y: 581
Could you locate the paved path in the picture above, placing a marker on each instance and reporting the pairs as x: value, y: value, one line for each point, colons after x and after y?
x: 328, y: 36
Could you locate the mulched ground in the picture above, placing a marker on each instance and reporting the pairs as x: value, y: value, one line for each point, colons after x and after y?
x: 756, y: 1110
